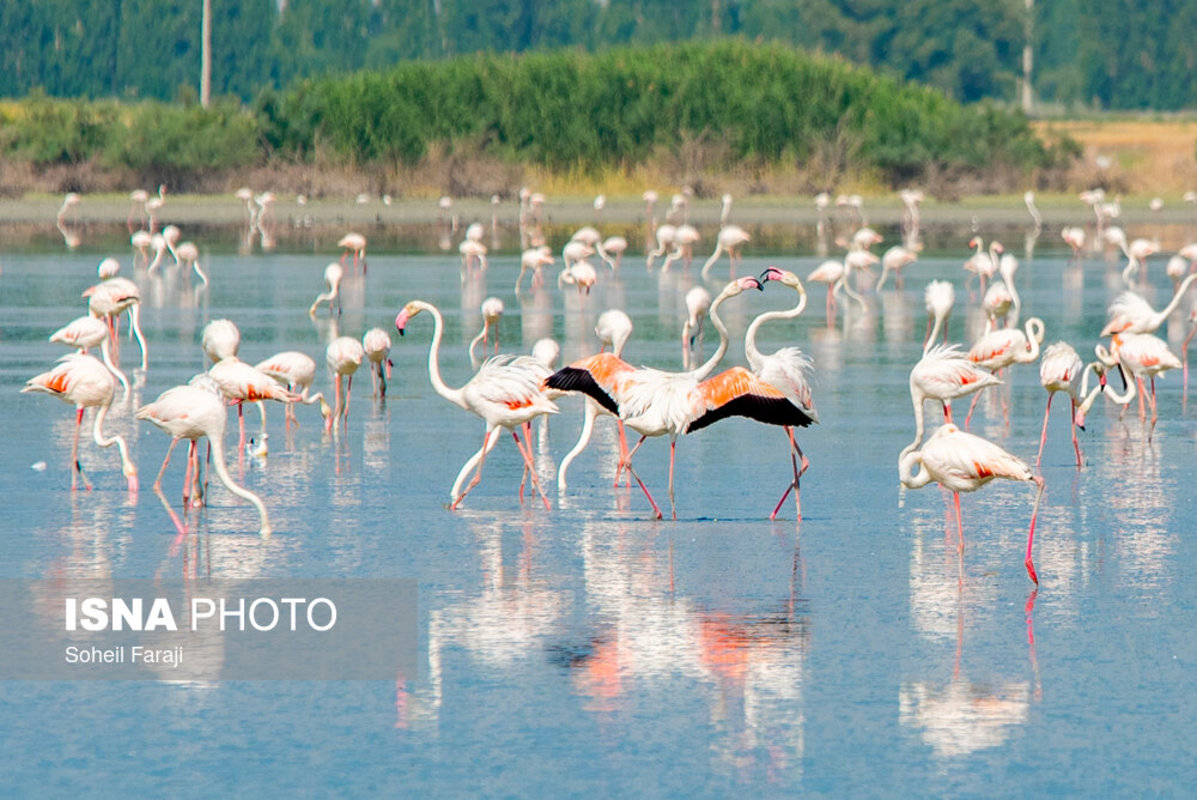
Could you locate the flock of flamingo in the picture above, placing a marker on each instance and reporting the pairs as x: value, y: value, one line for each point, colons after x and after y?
x: 509, y: 391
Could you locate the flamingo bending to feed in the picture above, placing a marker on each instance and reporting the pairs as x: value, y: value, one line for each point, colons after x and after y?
x: 377, y: 344
x: 505, y: 392
x: 333, y: 274
x: 788, y: 371
x: 535, y: 259
x: 83, y: 381
x: 944, y: 373
x: 1144, y: 355
x: 729, y: 240
x: 492, y: 311
x: 893, y: 260
x: 193, y: 412
x: 651, y: 402
x: 962, y: 462
x: 296, y: 371
x: 240, y: 383
x: 1060, y: 371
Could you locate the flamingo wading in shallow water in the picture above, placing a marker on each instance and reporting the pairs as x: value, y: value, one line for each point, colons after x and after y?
x: 962, y: 462
x: 504, y: 392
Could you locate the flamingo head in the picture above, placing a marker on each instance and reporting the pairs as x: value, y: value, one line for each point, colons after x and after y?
x: 742, y: 285
x: 130, y: 473
x: 786, y: 277
x: 409, y: 311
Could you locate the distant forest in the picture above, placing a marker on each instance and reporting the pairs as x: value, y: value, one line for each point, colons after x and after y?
x: 1113, y: 54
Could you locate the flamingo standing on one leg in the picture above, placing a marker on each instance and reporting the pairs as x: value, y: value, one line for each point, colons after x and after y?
x: 1060, y: 371
x: 787, y: 371
x: 505, y: 392
x: 83, y: 381
x: 194, y: 412
x: 962, y: 462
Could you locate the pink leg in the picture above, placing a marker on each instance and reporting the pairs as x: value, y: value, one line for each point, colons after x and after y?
x: 672, y: 449
x: 477, y: 471
x: 795, y: 454
x: 643, y: 488
x: 1153, y: 414
x: 165, y: 461
x: 528, y: 462
x: 1075, y: 444
x: 1031, y: 533
x: 623, y: 456
x: 1043, y: 434
x: 76, y: 466
x: 348, y: 392
x: 240, y: 428
x: 336, y: 417
x: 969, y: 416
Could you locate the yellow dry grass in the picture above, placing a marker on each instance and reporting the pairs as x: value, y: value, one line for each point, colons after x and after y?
x: 1140, y: 156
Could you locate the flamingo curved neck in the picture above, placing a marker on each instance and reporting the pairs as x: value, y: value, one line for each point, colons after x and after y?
x: 909, y: 479
x: 1167, y: 310
x: 755, y: 358
x: 103, y: 441
x: 1034, y: 330
x: 706, y: 368
x: 434, y: 357
x: 217, y: 442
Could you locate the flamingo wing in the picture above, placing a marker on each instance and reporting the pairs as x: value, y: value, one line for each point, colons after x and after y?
x: 737, y: 392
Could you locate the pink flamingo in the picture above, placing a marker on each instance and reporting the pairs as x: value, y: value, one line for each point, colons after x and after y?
x: 296, y: 371
x: 1060, y: 371
x: 505, y: 392
x: 193, y: 412
x: 962, y: 462
x: 83, y: 381
x: 343, y: 356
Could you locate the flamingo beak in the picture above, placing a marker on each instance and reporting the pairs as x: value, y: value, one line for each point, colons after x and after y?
x: 401, y: 321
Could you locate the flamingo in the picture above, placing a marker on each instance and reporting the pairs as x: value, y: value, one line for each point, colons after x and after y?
x: 1000, y: 348
x: 492, y: 311
x: 944, y: 373
x: 354, y: 243
x: 108, y: 268
x: 666, y: 235
x: 788, y: 372
x: 939, y: 297
x: 575, y: 250
x: 613, y: 329
x: 265, y: 203
x: 962, y: 462
x: 1028, y: 199
x: 547, y: 350
x: 193, y: 412
x: 170, y: 236
x: 69, y: 202
x: 377, y: 344
x: 651, y: 402
x: 1144, y: 355
x: 1074, y: 236
x: 729, y: 240
x: 188, y: 254
x: 140, y: 240
x: 833, y: 273
x: 580, y: 273
x: 725, y: 211
x: 153, y: 205
x: 220, y: 339
x: 982, y: 263
x: 1131, y: 313
x: 246, y: 195
x: 473, y: 253
x: 343, y: 356
x: 685, y: 236
x: 535, y: 259
x: 505, y: 392
x: 332, y: 279
x: 1060, y: 371
x: 893, y: 260
x: 240, y: 383
x: 1001, y: 297
x: 296, y: 371
x: 137, y: 201
x: 698, y: 302
x: 108, y: 299
x: 83, y: 381
x: 611, y: 250
x: 88, y: 332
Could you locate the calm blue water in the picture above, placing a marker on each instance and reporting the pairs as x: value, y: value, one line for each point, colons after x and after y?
x: 588, y: 649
